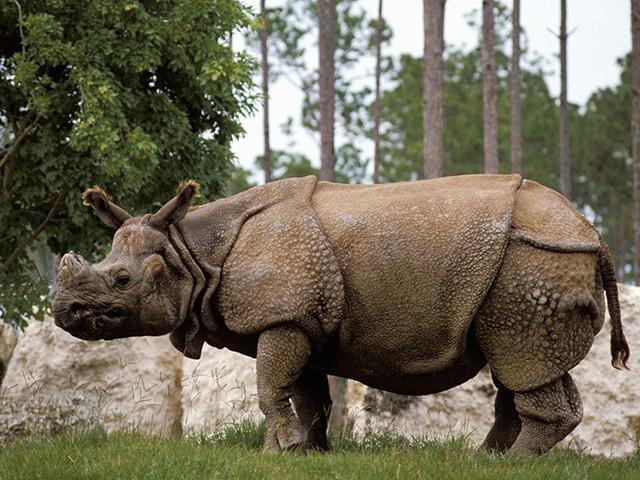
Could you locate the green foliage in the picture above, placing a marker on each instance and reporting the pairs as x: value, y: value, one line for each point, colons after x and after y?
x: 286, y: 165
x: 239, y: 180
x: 236, y: 453
x: 601, y: 149
x: 131, y: 95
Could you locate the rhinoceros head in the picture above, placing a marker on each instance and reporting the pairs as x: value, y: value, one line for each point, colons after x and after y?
x: 141, y: 288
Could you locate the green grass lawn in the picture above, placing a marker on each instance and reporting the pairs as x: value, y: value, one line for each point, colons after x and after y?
x: 236, y: 453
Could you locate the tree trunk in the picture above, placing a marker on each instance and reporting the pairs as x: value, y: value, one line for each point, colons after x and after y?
x: 565, y: 158
x: 433, y: 150
x: 489, y: 89
x: 516, y: 105
x: 376, y: 113
x: 264, y: 50
x: 327, y: 19
x: 635, y: 128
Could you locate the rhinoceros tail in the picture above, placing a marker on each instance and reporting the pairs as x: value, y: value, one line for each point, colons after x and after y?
x: 619, y: 345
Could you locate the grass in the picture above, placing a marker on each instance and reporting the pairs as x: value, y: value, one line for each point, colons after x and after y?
x: 235, y: 453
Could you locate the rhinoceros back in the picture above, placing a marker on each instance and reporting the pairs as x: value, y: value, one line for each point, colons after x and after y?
x: 545, y: 219
x: 417, y: 260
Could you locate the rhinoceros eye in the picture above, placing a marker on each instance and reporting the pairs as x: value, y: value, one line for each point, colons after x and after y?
x: 122, y: 280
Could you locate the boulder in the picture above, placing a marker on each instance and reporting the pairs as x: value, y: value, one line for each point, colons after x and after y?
x: 611, y: 399
x: 36, y: 414
x: 217, y: 390
x: 128, y: 383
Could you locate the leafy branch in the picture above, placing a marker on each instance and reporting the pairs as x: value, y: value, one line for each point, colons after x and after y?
x: 31, y: 124
x: 34, y: 234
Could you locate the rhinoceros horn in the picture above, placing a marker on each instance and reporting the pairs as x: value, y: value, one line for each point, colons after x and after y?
x: 70, y: 265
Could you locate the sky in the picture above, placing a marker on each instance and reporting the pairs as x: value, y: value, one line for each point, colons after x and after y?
x: 601, y: 33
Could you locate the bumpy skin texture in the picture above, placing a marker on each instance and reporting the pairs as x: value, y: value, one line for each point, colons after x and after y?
x: 541, y: 316
x: 409, y: 287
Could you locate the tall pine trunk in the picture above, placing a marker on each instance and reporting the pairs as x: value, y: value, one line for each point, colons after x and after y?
x: 490, y: 107
x: 376, y: 113
x: 516, y: 100
x: 264, y: 51
x: 433, y: 121
x: 635, y: 127
x: 565, y: 158
x: 327, y: 19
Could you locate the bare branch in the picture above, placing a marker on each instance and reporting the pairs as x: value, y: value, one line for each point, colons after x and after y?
x: 20, y: 136
x: 35, y: 233
x: 20, y: 19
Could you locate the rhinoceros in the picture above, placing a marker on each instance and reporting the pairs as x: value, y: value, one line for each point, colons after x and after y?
x: 407, y: 287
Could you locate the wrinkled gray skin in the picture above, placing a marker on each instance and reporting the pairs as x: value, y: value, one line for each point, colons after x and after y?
x: 410, y: 288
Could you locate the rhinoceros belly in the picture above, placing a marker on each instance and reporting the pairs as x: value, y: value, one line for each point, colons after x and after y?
x: 365, y: 367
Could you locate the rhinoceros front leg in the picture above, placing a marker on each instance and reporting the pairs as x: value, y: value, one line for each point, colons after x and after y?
x: 282, y: 356
x: 312, y: 402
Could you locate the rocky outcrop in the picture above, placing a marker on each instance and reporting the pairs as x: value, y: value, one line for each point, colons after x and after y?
x: 217, y: 390
x: 48, y: 413
x: 611, y: 399
x: 126, y: 383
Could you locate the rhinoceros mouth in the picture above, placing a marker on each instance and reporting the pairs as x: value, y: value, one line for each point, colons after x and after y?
x: 92, y: 324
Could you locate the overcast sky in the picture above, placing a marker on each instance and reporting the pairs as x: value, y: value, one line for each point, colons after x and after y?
x: 602, y: 34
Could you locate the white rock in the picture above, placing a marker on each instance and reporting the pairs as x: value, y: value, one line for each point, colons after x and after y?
x: 8, y: 339
x: 217, y: 390
x: 135, y: 382
x: 611, y: 399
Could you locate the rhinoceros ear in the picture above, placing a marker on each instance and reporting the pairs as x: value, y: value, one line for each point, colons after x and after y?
x: 109, y: 213
x: 176, y: 208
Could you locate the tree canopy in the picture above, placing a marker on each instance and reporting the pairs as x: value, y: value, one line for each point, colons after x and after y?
x: 132, y: 95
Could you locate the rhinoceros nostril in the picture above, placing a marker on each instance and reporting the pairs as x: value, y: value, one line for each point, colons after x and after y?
x: 75, y: 307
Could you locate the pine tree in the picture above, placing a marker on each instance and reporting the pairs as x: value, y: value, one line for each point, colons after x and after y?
x: 264, y: 53
x: 327, y: 20
x: 433, y: 122
x: 635, y: 127
x: 376, y: 111
x: 489, y: 89
x: 516, y: 106
x: 565, y: 158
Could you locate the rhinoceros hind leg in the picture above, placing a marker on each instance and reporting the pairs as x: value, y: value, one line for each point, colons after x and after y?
x: 282, y: 355
x: 548, y: 415
x: 507, y: 424
x: 312, y: 402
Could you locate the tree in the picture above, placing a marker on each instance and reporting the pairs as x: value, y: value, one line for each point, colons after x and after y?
x: 264, y: 52
x: 565, y: 158
x: 635, y: 128
x: 516, y: 107
x: 432, y: 89
x: 327, y: 25
x: 294, y: 29
x: 402, y: 110
x: 489, y: 85
x: 109, y: 93
x: 376, y: 112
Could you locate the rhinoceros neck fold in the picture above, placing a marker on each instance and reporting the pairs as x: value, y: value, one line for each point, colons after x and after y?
x: 188, y: 337
x: 175, y: 237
